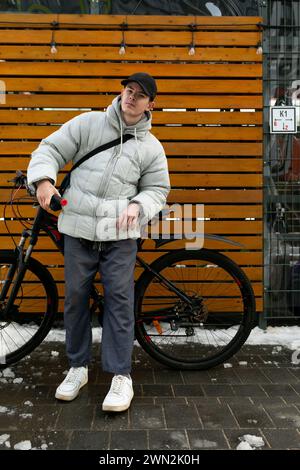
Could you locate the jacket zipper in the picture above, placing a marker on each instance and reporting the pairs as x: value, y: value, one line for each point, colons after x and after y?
x: 107, y: 173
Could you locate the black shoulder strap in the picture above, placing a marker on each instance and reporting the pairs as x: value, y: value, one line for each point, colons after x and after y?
x: 103, y: 147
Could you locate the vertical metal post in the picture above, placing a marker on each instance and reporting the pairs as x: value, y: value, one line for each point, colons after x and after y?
x: 264, y: 13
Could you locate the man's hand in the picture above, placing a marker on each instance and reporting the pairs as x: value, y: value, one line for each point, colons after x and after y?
x: 128, y: 217
x: 44, y: 193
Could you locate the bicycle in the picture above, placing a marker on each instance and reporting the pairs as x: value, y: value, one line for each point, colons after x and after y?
x: 193, y: 308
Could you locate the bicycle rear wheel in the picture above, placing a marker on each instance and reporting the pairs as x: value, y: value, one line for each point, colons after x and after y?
x: 206, y: 333
x: 29, y: 320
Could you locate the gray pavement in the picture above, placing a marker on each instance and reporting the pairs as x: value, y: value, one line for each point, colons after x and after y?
x: 256, y: 393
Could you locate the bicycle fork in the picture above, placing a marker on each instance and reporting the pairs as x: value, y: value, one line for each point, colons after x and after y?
x: 20, y: 267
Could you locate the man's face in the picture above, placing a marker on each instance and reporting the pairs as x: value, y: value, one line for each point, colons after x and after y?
x: 134, y: 101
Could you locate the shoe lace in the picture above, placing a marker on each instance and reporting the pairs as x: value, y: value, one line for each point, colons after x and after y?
x: 117, y: 384
x: 73, y: 375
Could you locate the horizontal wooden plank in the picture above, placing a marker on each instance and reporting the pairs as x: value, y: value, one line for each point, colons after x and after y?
x: 85, y: 20
x: 195, y: 180
x: 216, y: 180
x: 159, y: 117
x: 98, y: 102
x: 154, y: 53
x: 214, y: 305
x: 212, y: 289
x: 111, y: 85
x: 209, y: 196
x: 213, y: 285
x: 211, y: 148
x: 243, y: 259
x: 212, y: 165
x: 125, y: 69
x: 212, y: 211
x: 33, y: 295
x: 208, y: 290
x: 171, y: 148
x: 246, y: 242
x: 222, y: 306
x: 163, y: 101
x: 186, y: 164
x: 204, y: 196
x: 230, y: 117
x: 162, y: 133
x: 232, y: 212
x: 132, y: 38
x: 253, y: 273
x: 218, y: 227
x: 201, y: 275
x: 35, y: 305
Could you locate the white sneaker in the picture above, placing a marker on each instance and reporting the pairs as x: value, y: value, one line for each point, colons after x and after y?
x: 120, y: 394
x: 68, y: 390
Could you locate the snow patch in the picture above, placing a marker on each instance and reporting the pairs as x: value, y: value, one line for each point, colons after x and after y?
x: 23, y: 445
x: 8, y: 373
x: 26, y: 415
x: 204, y: 444
x: 18, y: 380
x: 287, y: 336
x: 4, y: 438
x: 244, y: 446
x: 250, y: 442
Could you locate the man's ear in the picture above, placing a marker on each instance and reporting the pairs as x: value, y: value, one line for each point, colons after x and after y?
x: 151, y: 105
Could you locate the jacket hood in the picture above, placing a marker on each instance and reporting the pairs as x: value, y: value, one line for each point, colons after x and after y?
x: 140, y: 129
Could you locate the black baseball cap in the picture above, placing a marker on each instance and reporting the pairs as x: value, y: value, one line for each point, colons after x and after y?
x: 145, y: 80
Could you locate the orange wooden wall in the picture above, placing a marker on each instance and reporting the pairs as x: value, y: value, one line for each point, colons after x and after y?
x: 213, y: 140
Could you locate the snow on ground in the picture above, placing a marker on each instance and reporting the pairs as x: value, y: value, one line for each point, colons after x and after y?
x: 4, y: 439
x: 250, y: 442
x: 23, y: 445
x: 286, y: 336
x: 3, y: 409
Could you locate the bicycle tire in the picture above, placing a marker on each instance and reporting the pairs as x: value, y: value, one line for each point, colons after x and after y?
x: 41, y: 278
x: 167, y: 354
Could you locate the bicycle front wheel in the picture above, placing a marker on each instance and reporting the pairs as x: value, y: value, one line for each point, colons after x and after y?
x: 31, y: 316
x: 207, y: 329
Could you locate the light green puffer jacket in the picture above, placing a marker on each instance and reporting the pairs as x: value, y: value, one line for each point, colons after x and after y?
x: 103, y: 186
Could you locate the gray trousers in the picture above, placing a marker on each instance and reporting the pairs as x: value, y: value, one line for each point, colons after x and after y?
x: 116, y: 263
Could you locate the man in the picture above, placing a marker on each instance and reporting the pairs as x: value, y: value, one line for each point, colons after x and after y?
x: 107, y: 196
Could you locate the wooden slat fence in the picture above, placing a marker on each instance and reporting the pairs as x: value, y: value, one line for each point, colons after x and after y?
x: 208, y: 113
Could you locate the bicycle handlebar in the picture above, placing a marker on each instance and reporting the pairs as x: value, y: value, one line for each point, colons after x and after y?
x: 57, y: 202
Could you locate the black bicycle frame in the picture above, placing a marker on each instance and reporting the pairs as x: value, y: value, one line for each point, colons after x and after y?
x: 48, y: 222
x: 22, y: 265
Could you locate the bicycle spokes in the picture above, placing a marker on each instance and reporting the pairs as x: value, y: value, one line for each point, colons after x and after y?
x: 20, y: 319
x: 210, y: 322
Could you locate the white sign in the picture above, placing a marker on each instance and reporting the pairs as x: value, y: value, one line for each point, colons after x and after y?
x: 283, y: 120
